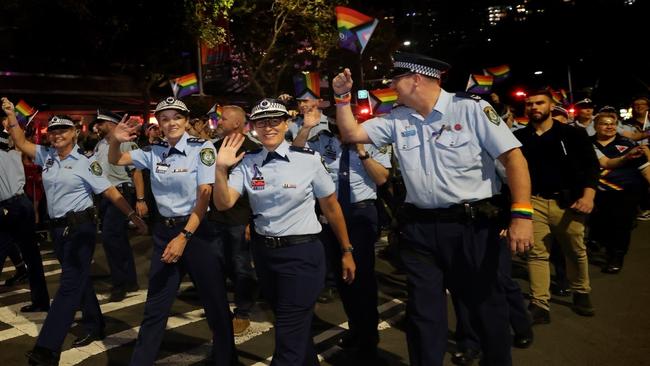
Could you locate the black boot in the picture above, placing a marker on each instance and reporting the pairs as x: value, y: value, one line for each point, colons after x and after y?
x: 19, y: 277
x: 582, y: 304
x: 43, y: 357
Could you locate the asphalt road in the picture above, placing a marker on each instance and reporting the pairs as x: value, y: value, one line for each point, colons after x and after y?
x: 619, y: 334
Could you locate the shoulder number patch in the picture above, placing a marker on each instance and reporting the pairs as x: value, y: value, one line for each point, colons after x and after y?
x: 96, y: 168
x: 492, y: 115
x: 207, y: 156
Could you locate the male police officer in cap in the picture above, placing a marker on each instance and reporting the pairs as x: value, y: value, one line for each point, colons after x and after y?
x: 446, y: 145
x: 114, y: 223
x: 309, y: 101
x: 17, y: 224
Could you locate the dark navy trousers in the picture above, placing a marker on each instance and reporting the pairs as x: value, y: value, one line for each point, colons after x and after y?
x: 520, y: 321
x: 463, y: 257
x: 201, y: 259
x: 360, y: 297
x: 18, y: 226
x: 291, y: 278
x: 75, y: 253
x: 116, y: 243
x: 239, y: 267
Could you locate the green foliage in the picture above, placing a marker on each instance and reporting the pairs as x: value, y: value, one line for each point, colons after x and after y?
x: 206, y: 18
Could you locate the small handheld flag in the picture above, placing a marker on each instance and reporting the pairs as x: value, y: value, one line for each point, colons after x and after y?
x: 307, y: 85
x: 185, y: 85
x: 479, y: 84
x: 499, y: 73
x: 214, y: 116
x: 354, y: 28
x: 24, y: 112
x: 382, y: 100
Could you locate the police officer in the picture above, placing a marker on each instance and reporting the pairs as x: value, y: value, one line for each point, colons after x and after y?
x: 182, y: 171
x: 114, y: 224
x: 357, y: 170
x: 281, y: 182
x: 309, y: 102
x: 446, y: 145
x: 17, y: 225
x: 585, y: 116
x: 69, y: 179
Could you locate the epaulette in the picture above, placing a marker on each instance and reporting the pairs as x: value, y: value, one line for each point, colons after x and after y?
x: 467, y: 95
x: 304, y: 150
x: 319, y: 134
x: 195, y: 140
x: 254, y: 151
x: 161, y: 143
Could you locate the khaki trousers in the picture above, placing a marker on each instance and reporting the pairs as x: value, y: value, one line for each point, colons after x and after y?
x: 552, y: 223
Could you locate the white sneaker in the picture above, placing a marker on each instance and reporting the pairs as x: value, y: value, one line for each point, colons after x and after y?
x: 644, y: 216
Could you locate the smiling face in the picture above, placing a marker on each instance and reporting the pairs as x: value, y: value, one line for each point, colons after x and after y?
x: 605, y: 126
x: 271, y: 131
x: 61, y: 138
x: 172, y: 123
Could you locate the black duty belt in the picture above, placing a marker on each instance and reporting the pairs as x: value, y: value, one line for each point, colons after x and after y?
x: 548, y: 196
x: 75, y: 218
x: 484, y: 209
x: 11, y: 200
x: 124, y: 187
x: 274, y: 242
x: 363, y: 204
x: 173, y: 221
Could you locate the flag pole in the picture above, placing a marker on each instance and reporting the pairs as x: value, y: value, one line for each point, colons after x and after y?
x: 361, y: 76
x: 200, y: 68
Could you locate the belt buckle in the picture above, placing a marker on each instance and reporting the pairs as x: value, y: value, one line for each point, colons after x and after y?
x: 169, y: 222
x: 272, y: 242
x: 469, y: 211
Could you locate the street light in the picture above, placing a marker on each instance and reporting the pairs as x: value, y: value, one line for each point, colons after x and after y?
x: 407, y: 43
x: 538, y: 72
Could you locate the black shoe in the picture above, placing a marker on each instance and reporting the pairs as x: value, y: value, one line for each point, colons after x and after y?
x: 88, y: 338
x: 523, y: 340
x: 117, y: 294
x: 363, y: 348
x: 611, y: 269
x: 21, y: 276
x: 132, y: 287
x: 562, y: 292
x: 32, y: 308
x: 465, y: 358
x: 582, y: 305
x: 43, y: 357
x: 327, y: 295
x: 539, y: 315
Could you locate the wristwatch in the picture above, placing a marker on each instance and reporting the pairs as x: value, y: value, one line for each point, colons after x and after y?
x: 188, y: 234
x: 349, y: 249
x: 364, y: 156
x: 140, y: 199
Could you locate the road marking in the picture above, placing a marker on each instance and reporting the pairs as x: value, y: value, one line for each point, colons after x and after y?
x: 45, y: 263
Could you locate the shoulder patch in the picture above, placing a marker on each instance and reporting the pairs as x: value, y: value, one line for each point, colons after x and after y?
x: 466, y: 95
x: 96, y: 168
x: 327, y: 169
x: 195, y: 140
x: 492, y: 115
x: 304, y: 150
x: 207, y: 156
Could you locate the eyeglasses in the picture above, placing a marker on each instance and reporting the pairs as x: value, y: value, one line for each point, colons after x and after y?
x: 270, y: 122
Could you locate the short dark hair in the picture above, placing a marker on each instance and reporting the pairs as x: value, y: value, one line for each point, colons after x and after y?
x: 544, y: 92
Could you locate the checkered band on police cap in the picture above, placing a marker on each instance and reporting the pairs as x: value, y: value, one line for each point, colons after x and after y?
x: 268, y: 108
x: 410, y: 62
x: 58, y: 122
x: 171, y: 103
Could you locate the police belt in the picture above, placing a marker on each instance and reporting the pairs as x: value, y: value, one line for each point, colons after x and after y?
x: 275, y: 242
x: 124, y: 187
x: 12, y: 200
x: 482, y: 209
x: 173, y: 221
x: 363, y: 204
x: 75, y: 218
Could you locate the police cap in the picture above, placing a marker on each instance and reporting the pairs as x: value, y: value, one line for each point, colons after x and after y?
x: 404, y: 63
x: 58, y: 122
x: 585, y: 104
x: 171, y: 103
x: 559, y: 111
x: 106, y: 115
x: 268, y: 108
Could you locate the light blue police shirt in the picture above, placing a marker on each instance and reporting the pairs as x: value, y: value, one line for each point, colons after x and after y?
x: 12, y: 174
x: 361, y: 185
x: 69, y: 183
x: 447, y: 157
x: 281, y: 193
x: 175, y: 176
x: 626, y: 127
x: 115, y: 174
x: 294, y: 127
x: 590, y: 129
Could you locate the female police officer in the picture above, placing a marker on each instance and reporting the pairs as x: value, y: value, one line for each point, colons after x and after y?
x: 181, y: 176
x: 281, y: 182
x: 69, y: 180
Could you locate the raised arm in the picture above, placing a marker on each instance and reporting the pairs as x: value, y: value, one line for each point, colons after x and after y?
x: 223, y: 195
x: 123, y: 132
x: 351, y: 131
x: 310, y: 120
x: 15, y: 131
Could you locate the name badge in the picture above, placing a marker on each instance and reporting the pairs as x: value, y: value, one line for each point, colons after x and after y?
x: 162, y: 168
x: 180, y: 170
x: 257, y: 184
x: 408, y: 132
x: 288, y: 185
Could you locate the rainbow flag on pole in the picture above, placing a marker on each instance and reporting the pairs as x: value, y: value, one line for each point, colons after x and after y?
x: 24, y: 112
x: 354, y: 28
x: 479, y: 84
x: 499, y: 73
x: 307, y: 85
x: 185, y: 85
x: 382, y: 100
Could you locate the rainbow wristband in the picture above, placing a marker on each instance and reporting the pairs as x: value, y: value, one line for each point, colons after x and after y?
x: 343, y: 99
x: 521, y: 211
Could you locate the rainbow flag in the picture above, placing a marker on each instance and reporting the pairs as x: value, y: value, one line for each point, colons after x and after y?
x: 214, y: 115
x: 382, y: 100
x: 185, y: 85
x: 355, y: 29
x: 499, y: 73
x: 523, y: 120
x: 24, y: 111
x: 479, y: 84
x: 557, y: 96
x: 307, y: 85
x: 565, y: 97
